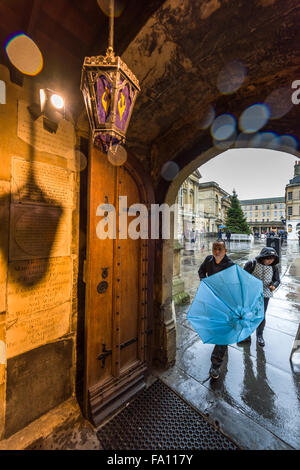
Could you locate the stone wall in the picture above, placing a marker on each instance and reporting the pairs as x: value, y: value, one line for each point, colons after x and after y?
x: 39, y: 200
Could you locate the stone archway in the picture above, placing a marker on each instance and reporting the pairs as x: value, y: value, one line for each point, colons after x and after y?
x: 165, y: 314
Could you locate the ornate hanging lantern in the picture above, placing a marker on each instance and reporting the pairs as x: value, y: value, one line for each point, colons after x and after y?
x: 109, y: 89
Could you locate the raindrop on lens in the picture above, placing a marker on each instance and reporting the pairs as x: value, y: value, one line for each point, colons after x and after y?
x: 223, y: 127
x: 242, y: 140
x: 24, y: 54
x: 119, y: 6
x: 288, y: 143
x: 231, y: 77
x: 225, y: 144
x: 208, y: 118
x: 254, y: 118
x: 265, y: 140
x: 169, y: 171
x: 77, y: 161
x: 117, y: 155
x: 279, y: 102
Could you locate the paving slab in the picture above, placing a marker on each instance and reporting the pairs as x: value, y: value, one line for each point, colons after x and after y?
x: 256, y: 398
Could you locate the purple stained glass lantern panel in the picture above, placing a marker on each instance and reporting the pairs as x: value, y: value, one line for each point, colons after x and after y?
x: 103, y: 98
x: 123, y: 107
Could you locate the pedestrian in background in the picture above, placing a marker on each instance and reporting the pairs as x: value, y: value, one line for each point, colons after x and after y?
x: 228, y: 235
x: 264, y: 267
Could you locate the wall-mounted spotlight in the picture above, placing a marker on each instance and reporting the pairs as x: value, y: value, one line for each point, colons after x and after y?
x: 52, y: 108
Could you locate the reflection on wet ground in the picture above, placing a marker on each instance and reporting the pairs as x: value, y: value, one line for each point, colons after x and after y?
x: 256, y: 399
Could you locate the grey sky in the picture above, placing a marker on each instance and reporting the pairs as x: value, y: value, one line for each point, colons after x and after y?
x: 254, y: 173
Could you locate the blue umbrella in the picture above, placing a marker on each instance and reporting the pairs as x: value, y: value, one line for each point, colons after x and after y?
x: 227, y: 307
x: 222, y: 226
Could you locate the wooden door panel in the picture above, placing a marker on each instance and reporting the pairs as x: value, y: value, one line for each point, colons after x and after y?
x: 99, y: 255
x: 116, y: 318
x: 130, y: 280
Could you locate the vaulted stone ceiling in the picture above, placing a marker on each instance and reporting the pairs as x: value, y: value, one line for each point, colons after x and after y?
x: 177, y: 49
x: 179, y: 54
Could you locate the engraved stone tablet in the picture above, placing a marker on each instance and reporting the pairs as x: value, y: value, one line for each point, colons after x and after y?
x: 38, y: 231
x: 34, y: 329
x: 60, y: 143
x: 37, y: 285
x: 41, y: 182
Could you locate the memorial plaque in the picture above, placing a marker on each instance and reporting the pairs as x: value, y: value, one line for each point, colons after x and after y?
x: 35, y: 329
x: 50, y: 184
x: 61, y: 143
x: 4, y: 218
x: 37, y: 285
x: 38, y: 231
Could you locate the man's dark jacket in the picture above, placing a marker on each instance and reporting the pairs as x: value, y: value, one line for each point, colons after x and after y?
x: 209, y: 266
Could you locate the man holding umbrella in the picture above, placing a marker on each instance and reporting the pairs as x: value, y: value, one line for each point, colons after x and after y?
x: 213, y: 264
x: 228, y: 305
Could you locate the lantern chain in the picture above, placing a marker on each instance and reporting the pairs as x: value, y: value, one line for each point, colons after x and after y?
x: 111, y: 26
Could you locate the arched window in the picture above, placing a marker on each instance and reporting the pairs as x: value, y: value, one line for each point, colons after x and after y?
x: 2, y: 92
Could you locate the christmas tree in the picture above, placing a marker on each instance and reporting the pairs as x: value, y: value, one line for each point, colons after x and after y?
x: 235, y: 220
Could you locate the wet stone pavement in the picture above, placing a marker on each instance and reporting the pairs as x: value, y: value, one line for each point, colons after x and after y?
x: 256, y: 399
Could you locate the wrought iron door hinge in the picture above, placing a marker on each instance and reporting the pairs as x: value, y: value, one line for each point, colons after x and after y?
x: 128, y: 343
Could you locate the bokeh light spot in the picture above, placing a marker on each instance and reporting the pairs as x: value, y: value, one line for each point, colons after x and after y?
x: 243, y: 140
x: 254, y: 118
x: 118, y: 7
x: 117, y: 155
x: 227, y: 143
x: 288, y: 143
x: 208, y: 118
x: 24, y: 54
x: 169, y: 171
x: 279, y: 102
x: 77, y: 161
x: 223, y: 127
x: 269, y: 140
x: 231, y: 77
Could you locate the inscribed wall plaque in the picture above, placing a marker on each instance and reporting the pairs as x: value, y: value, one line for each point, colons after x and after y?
x: 37, y: 285
x: 34, y: 329
x: 39, y: 231
x: 41, y: 182
x: 32, y: 132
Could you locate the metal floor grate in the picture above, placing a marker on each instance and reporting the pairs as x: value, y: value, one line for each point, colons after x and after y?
x: 159, y: 419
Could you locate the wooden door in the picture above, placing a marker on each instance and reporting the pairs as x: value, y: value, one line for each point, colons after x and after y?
x: 118, y: 277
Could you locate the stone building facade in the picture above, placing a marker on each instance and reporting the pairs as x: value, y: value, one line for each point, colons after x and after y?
x: 292, y: 201
x: 264, y: 214
x: 202, y: 208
